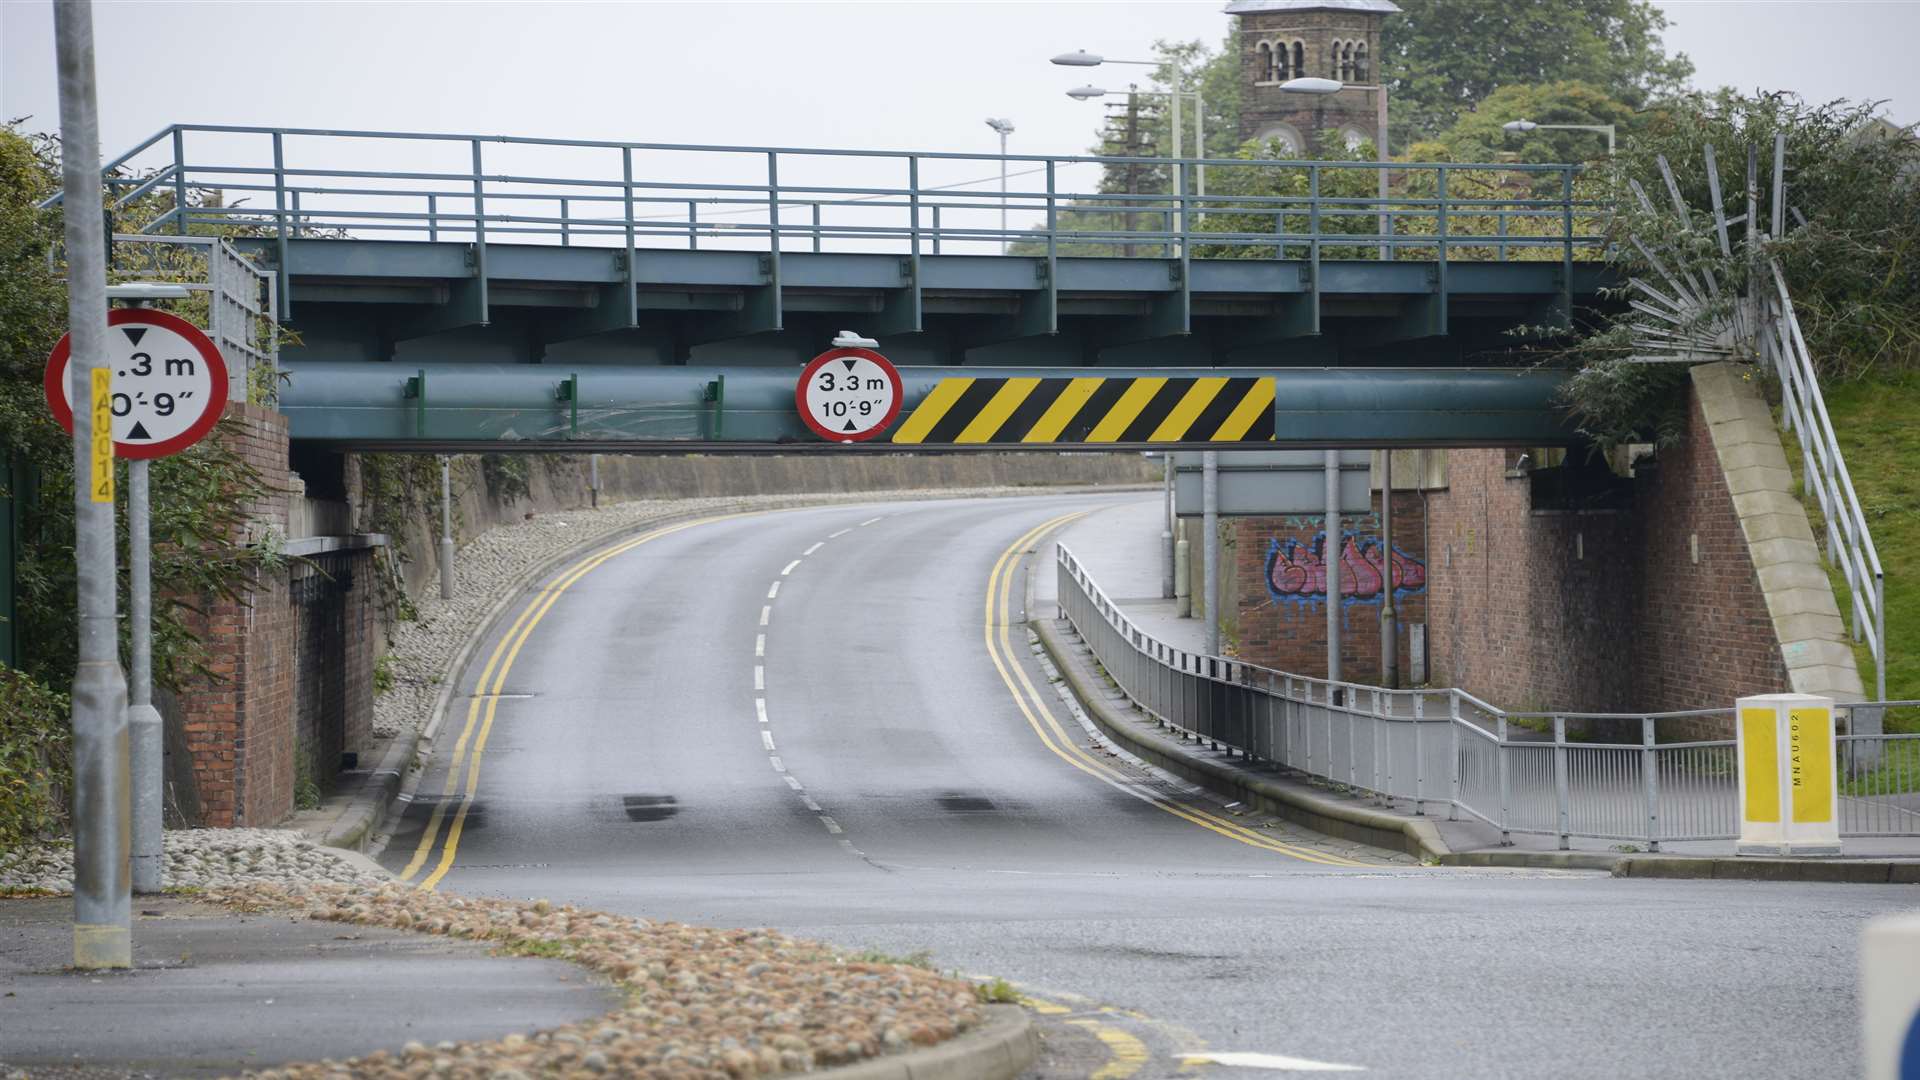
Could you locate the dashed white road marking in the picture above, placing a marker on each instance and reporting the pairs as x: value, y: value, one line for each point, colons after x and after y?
x: 838, y: 535
x: 816, y: 547
x: 766, y: 738
x: 794, y: 782
x: 759, y: 677
x: 760, y: 708
x: 807, y: 801
x: 832, y: 825
x: 869, y: 521
x: 778, y: 765
x: 766, y: 612
x: 789, y: 568
x: 759, y: 644
x: 773, y: 590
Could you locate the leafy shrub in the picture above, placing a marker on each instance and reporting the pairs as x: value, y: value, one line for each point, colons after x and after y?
x: 36, y: 759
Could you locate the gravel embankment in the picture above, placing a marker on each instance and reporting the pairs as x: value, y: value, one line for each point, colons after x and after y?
x: 198, y: 858
x: 701, y: 1003
x: 420, y: 651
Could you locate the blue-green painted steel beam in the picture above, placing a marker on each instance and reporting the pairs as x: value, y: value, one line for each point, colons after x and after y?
x: 479, y: 407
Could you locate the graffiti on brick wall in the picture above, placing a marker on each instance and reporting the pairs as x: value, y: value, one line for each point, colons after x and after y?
x: 1297, y: 571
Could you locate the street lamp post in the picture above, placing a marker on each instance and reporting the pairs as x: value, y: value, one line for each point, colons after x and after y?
x: 1083, y: 58
x: 1005, y: 128
x: 1312, y: 85
x: 1521, y: 127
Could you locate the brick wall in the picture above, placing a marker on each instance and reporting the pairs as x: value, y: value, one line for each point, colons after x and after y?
x: 237, y: 722
x: 1598, y: 611
x: 1278, y: 586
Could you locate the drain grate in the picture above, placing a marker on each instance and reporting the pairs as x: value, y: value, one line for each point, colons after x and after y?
x: 649, y: 807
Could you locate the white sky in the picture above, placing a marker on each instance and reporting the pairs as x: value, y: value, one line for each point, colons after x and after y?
x: 902, y: 75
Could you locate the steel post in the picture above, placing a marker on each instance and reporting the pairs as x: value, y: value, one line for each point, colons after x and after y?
x: 593, y: 480
x: 1453, y: 755
x: 446, y: 528
x: 147, y: 764
x: 1506, y: 786
x: 1210, y: 545
x: 1330, y: 558
x: 1650, y: 781
x: 1182, y: 579
x: 1560, y: 781
x: 1166, y: 532
x: 102, y: 897
x: 1389, y: 618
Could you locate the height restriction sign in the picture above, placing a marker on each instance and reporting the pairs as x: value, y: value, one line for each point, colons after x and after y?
x: 848, y: 395
x: 169, y: 384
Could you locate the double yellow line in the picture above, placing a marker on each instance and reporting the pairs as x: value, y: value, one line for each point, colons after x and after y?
x: 1054, y: 737
x: 481, y: 721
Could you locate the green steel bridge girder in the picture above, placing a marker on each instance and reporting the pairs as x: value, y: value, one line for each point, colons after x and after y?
x: 470, y: 407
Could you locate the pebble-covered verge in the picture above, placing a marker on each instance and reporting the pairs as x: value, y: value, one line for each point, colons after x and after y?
x: 702, y: 1003
x: 421, y: 650
x: 196, y: 858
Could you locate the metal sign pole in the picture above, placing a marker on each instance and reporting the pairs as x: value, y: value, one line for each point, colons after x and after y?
x: 143, y: 720
x: 1210, y: 545
x: 1330, y: 559
x: 102, y: 897
x: 1167, y: 528
x: 446, y: 528
x: 1389, y: 618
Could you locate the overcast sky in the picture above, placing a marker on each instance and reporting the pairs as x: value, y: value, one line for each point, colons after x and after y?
x: 883, y: 75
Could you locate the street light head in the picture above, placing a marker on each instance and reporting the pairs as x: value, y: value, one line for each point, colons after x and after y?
x: 1079, y: 58
x: 1000, y: 124
x: 1086, y: 93
x: 1312, y: 85
x: 1518, y: 126
x: 148, y: 290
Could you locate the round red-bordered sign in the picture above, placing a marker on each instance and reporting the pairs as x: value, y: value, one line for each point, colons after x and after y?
x: 848, y: 395
x: 169, y: 374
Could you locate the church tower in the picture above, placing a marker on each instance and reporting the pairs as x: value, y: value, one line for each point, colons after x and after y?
x: 1293, y: 39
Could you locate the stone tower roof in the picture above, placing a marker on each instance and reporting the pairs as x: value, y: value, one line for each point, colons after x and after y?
x: 1255, y: 7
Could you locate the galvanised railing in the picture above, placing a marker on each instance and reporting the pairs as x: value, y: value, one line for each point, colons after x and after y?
x: 294, y: 182
x: 1824, y: 472
x: 1447, y: 747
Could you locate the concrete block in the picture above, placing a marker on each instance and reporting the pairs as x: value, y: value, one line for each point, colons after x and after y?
x: 1791, y: 573
x: 1756, y: 503
x: 1764, y: 454
x: 1763, y: 527
x: 1759, y: 478
x: 1816, y: 654
x: 1904, y: 873
x: 1801, y: 601
x: 1810, y: 627
x: 1741, y: 430
x: 1785, y: 552
x: 1827, y: 680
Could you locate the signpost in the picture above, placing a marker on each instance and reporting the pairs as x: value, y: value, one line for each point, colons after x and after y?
x: 849, y: 395
x: 159, y: 387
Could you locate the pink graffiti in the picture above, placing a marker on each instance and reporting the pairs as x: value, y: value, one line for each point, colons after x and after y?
x: 1298, y: 571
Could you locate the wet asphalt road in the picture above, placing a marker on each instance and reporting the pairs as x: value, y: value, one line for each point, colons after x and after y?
x: 906, y: 791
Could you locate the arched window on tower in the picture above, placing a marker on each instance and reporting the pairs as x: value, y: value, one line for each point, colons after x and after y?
x: 1299, y: 59
x: 1263, y: 61
x: 1362, y: 70
x: 1282, y: 71
x: 1346, y: 62
x: 1333, y: 61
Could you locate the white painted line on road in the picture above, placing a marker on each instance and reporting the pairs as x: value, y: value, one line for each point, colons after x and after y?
x: 759, y: 644
x: 789, y: 568
x: 759, y: 677
x: 810, y: 804
x: 1245, y: 1060
x: 766, y: 738
x: 794, y: 782
x: 773, y: 591
x: 838, y: 535
x: 848, y: 844
x: 760, y: 708
x: 869, y: 521
x: 766, y: 613
x: 814, y: 548
x: 778, y: 765
x: 832, y: 825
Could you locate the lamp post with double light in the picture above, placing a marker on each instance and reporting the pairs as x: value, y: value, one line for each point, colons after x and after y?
x: 1323, y: 87
x: 1005, y: 128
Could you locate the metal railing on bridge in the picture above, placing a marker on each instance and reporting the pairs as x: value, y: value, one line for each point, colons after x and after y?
x: 1518, y: 772
x: 297, y: 182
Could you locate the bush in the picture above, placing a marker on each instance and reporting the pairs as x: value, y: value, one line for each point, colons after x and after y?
x: 36, y: 759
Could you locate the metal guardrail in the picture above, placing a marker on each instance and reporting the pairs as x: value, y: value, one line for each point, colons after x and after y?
x: 1824, y: 472
x: 571, y: 191
x: 1447, y: 747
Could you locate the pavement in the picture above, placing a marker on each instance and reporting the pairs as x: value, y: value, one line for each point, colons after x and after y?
x: 831, y: 721
x: 1120, y: 547
x: 213, y: 993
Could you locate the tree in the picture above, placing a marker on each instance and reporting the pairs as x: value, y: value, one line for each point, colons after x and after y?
x: 1443, y: 58
x: 1480, y: 135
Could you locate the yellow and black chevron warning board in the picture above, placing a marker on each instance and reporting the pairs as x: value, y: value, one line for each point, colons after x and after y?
x: 1121, y: 409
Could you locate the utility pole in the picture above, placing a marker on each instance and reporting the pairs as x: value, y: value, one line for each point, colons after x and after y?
x: 102, y: 811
